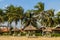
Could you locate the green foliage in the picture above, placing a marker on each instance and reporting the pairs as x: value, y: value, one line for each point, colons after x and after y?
x: 40, y: 6
x: 56, y: 35
x: 38, y: 34
x: 23, y: 34
x: 13, y: 13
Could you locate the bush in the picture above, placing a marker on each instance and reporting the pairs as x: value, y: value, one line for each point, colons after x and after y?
x: 38, y: 34
x: 5, y: 34
x: 23, y: 34
x: 55, y: 35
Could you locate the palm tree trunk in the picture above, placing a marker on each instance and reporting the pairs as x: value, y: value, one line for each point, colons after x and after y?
x: 21, y: 23
x: 15, y: 29
x: 42, y: 32
x: 9, y: 24
x: 0, y: 23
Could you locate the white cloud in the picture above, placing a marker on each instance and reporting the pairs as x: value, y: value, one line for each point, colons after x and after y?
x: 57, y: 11
x: 5, y: 6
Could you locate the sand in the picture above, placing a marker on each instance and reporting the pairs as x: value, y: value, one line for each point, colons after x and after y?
x: 26, y: 38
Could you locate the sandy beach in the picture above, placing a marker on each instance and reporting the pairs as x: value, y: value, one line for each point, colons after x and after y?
x: 26, y: 38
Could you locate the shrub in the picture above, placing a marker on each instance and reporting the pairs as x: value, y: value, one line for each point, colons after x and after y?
x: 5, y: 33
x: 23, y: 34
x: 38, y: 34
x: 55, y: 35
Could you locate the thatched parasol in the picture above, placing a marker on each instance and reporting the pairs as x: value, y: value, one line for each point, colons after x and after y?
x: 48, y: 29
x: 30, y: 27
x: 15, y: 29
x: 4, y: 29
x: 57, y: 27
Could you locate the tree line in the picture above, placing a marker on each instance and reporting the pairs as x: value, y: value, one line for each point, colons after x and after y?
x: 38, y: 14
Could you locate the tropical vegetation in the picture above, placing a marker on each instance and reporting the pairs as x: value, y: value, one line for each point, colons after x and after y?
x: 34, y: 16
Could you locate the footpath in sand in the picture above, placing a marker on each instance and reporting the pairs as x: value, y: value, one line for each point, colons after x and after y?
x: 26, y: 38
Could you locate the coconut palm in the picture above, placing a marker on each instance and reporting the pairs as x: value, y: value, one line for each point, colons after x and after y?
x: 39, y: 6
x: 39, y: 11
x: 58, y: 17
x: 50, y: 17
x: 29, y: 19
x: 14, y: 14
x: 47, y: 18
x: 1, y: 16
x: 20, y: 11
x: 9, y: 11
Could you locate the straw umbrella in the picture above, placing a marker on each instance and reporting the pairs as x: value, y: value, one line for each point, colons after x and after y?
x: 30, y: 29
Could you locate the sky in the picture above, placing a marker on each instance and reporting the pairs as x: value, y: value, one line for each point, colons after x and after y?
x: 29, y: 4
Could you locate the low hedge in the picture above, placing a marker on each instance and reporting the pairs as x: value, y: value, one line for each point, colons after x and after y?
x: 23, y: 34
x: 38, y: 34
x: 55, y: 35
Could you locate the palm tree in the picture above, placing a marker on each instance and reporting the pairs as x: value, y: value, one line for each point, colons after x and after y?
x: 29, y: 19
x: 58, y: 17
x: 50, y: 17
x: 9, y: 11
x: 1, y: 16
x: 15, y: 18
x: 45, y: 18
x: 20, y: 12
x: 39, y: 6
x: 39, y: 11
x: 14, y: 14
